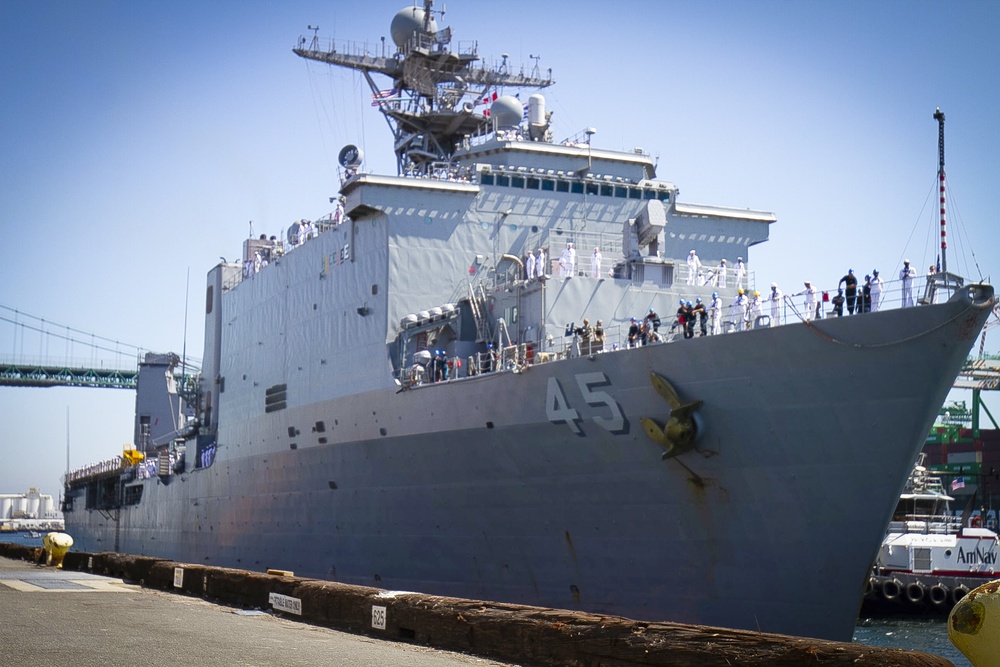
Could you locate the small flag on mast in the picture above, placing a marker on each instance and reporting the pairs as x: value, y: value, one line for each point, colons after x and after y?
x: 384, y: 96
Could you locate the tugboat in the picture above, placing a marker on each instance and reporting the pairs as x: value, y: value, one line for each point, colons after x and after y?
x: 930, y: 558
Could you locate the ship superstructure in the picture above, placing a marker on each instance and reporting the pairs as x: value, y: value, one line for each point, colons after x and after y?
x: 399, y: 396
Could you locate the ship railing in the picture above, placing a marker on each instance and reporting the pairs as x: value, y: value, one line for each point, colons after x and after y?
x: 926, y: 524
x: 570, y: 344
x: 380, y: 52
x: 278, y: 248
x: 553, y: 241
x: 116, y: 465
x: 894, y: 294
x: 516, y: 356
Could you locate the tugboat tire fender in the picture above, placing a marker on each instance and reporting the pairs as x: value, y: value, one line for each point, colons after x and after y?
x: 891, y: 588
x: 938, y: 594
x: 958, y: 592
x: 915, y: 592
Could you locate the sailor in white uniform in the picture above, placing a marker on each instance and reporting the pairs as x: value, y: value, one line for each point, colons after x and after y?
x: 741, y: 271
x: 694, y: 268
x: 810, y: 303
x: 540, y: 264
x: 567, y: 261
x: 720, y: 274
x: 738, y: 311
x: 907, y: 274
x: 756, y: 306
x: 715, y: 314
x: 529, y: 266
x: 876, y: 290
x: 595, y: 264
x: 775, y: 298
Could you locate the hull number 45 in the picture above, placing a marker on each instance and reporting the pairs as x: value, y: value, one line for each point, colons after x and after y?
x: 608, y: 415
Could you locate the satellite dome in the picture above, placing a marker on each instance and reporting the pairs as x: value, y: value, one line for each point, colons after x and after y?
x: 507, y: 111
x: 406, y: 22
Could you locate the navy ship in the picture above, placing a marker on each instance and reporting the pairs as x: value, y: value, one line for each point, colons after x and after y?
x: 430, y: 390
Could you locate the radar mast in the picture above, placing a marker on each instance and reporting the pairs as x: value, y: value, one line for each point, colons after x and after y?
x: 431, y: 104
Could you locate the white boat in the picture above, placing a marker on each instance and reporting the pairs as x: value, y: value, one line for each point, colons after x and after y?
x: 930, y: 557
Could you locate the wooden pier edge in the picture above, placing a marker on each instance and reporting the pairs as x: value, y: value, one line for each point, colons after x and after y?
x: 515, y: 633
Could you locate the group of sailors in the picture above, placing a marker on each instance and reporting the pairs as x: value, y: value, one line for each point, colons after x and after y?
x: 301, y: 231
x: 534, y: 263
x: 699, y: 274
x: 150, y: 467
x: 590, y: 339
x: 268, y: 249
x: 439, y: 368
x: 646, y: 331
x: 866, y: 299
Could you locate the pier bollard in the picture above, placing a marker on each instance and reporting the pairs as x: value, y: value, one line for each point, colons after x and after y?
x: 974, y: 625
x: 56, y: 545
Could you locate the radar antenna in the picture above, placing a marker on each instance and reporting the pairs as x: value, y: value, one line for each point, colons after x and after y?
x: 314, y: 44
x: 431, y: 105
x: 534, y: 69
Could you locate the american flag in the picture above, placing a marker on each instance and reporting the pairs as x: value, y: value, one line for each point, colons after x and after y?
x: 384, y: 96
x: 957, y: 483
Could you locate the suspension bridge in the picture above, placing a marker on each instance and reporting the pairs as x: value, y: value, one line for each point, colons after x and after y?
x: 41, y: 353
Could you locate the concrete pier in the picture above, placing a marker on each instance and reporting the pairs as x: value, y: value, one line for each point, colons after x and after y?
x: 59, y: 617
x: 169, y: 615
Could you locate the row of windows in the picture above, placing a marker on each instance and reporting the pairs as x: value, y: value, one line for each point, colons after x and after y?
x: 618, y: 190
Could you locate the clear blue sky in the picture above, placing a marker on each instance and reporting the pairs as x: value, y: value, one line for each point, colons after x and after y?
x: 137, y: 140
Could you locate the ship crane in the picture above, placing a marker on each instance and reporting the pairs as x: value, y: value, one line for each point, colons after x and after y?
x: 431, y: 107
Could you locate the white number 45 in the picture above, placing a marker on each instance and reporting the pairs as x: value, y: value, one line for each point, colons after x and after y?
x: 558, y: 410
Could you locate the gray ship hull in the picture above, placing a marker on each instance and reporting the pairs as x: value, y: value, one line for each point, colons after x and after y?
x: 491, y: 487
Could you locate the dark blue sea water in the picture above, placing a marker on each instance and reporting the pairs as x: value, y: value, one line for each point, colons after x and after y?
x: 929, y: 635
x: 21, y: 538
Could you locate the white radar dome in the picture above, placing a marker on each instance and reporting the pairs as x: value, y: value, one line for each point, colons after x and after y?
x: 406, y: 22
x: 507, y: 111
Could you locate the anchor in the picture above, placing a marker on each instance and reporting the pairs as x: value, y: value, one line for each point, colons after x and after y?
x: 680, y: 432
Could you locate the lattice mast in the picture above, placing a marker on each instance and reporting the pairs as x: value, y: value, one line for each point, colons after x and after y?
x: 939, y: 117
x: 434, y: 102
